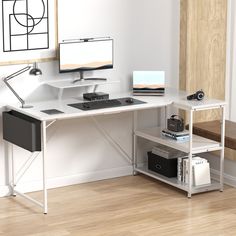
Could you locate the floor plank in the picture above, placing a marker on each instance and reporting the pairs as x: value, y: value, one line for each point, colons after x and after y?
x: 127, y: 206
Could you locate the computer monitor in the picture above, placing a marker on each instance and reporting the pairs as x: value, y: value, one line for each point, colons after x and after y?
x: 148, y: 82
x: 85, y: 55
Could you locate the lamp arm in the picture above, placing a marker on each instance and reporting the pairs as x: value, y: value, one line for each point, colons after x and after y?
x: 14, y: 92
x: 16, y: 73
x: 6, y: 79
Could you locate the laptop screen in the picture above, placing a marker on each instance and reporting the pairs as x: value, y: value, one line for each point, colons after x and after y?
x: 149, y: 82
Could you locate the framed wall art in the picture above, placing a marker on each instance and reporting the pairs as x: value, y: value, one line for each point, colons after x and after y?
x: 29, y: 31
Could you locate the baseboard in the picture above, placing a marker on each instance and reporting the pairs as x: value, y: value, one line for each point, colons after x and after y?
x: 70, y: 180
x: 4, y: 191
x: 228, y: 179
x: 90, y: 177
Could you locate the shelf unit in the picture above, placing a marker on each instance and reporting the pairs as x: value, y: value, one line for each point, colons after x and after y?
x: 195, y: 145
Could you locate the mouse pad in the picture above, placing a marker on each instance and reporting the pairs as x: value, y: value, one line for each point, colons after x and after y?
x: 85, y: 106
x: 52, y: 111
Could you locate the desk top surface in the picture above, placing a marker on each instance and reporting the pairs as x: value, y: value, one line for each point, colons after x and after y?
x: 178, y: 99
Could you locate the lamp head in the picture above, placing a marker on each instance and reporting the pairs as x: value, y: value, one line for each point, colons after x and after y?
x: 35, y: 70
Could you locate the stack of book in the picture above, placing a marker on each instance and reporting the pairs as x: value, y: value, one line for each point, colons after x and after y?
x: 200, y: 170
x: 179, y: 136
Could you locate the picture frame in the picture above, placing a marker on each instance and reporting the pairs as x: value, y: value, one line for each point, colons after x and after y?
x: 29, y: 31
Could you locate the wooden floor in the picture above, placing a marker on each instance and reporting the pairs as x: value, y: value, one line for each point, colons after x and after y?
x: 129, y: 206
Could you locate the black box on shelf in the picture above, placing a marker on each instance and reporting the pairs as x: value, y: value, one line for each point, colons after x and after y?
x: 161, y: 165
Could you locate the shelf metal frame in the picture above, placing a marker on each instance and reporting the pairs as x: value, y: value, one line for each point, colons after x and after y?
x: 189, y: 188
x: 16, y: 176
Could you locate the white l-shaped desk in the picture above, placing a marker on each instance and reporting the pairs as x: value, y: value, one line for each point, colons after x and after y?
x: 177, y: 99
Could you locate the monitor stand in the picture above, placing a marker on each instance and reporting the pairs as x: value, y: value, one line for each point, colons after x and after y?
x: 81, y: 78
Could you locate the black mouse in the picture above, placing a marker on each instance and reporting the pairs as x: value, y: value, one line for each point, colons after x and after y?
x: 129, y: 100
x: 86, y: 105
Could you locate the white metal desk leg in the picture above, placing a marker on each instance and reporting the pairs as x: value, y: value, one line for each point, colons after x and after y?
x: 222, y: 153
x: 60, y: 93
x: 190, y: 154
x: 10, y: 145
x: 43, y: 143
x: 135, y: 115
x: 165, y: 117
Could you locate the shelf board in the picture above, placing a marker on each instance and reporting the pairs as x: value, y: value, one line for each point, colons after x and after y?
x: 63, y: 84
x: 215, y: 185
x: 200, y: 144
x: 205, y: 104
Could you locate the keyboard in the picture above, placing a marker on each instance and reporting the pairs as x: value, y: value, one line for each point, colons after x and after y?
x: 101, y: 104
x: 109, y: 103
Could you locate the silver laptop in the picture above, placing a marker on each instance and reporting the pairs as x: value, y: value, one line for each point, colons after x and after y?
x: 149, y: 83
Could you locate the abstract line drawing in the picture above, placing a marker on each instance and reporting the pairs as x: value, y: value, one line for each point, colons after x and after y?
x: 25, y: 25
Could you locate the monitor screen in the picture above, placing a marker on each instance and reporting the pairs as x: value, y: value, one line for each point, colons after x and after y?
x: 83, y: 56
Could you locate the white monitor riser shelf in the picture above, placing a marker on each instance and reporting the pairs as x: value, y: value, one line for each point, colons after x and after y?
x: 177, y: 99
x: 69, y: 83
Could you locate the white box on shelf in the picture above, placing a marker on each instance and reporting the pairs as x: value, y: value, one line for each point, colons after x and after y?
x: 201, y: 174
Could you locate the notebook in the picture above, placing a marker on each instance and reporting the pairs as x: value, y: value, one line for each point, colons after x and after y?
x: 148, y: 83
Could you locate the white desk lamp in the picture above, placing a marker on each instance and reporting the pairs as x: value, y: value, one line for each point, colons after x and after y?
x: 34, y: 71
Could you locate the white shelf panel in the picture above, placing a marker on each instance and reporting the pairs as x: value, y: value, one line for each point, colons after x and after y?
x: 205, y: 104
x: 175, y: 183
x: 200, y: 144
x: 63, y: 84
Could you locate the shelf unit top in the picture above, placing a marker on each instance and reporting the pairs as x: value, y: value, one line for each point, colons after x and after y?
x: 204, y: 104
x: 63, y: 84
x: 199, y: 144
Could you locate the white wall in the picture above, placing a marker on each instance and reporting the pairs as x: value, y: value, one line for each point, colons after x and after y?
x: 146, y: 35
